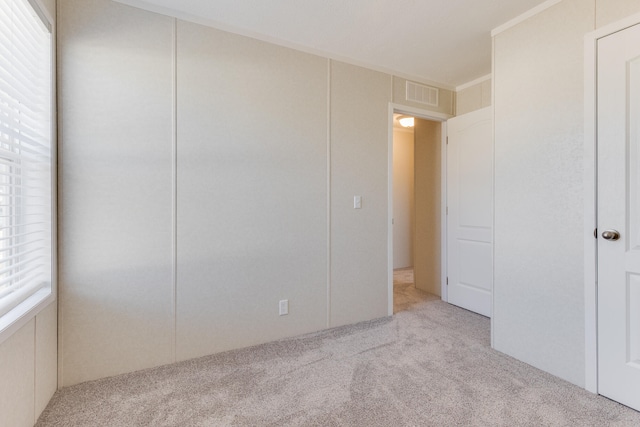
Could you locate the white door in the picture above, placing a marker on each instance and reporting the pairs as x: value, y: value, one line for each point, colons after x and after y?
x: 470, y: 207
x: 619, y: 214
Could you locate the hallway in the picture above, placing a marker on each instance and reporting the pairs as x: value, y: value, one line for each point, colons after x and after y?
x: 405, y: 294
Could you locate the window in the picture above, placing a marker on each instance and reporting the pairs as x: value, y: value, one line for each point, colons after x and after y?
x: 25, y: 159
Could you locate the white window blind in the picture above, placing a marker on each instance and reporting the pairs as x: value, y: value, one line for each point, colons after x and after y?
x: 25, y: 154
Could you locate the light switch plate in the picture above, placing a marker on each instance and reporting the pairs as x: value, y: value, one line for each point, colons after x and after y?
x: 357, y: 202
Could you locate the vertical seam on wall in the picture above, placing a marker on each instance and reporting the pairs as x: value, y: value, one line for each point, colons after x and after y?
x: 390, y: 212
x: 328, y: 193
x: 35, y: 367
x: 454, y: 101
x: 493, y: 189
x: 59, y: 313
x: 174, y: 187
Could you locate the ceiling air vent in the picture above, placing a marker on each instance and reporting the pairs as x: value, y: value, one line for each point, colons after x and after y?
x: 422, y: 94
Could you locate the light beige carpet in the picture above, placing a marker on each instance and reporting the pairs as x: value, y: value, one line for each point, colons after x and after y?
x: 428, y: 366
x: 405, y: 293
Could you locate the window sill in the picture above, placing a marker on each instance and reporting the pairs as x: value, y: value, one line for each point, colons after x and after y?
x: 19, y: 316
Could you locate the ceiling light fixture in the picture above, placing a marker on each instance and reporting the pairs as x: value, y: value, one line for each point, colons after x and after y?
x: 406, y: 121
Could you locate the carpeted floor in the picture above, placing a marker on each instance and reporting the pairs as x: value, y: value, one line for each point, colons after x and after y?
x: 405, y: 293
x: 429, y: 365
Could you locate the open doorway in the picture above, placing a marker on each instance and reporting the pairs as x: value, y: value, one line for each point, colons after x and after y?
x: 417, y: 198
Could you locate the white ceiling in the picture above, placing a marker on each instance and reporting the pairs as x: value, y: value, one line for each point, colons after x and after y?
x: 444, y: 41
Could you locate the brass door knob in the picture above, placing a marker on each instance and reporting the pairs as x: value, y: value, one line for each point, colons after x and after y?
x: 610, y: 235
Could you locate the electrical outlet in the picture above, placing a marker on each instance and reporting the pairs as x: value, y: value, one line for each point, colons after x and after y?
x: 284, y: 307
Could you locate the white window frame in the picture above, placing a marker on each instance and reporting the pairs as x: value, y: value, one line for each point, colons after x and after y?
x: 23, y: 313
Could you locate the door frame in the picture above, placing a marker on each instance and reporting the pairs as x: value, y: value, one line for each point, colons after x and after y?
x: 591, y: 196
x: 442, y: 119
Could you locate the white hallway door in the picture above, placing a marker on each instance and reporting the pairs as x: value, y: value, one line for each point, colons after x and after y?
x: 470, y: 207
x: 618, y: 213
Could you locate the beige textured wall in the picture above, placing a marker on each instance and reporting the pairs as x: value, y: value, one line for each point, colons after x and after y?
x: 539, y: 67
x: 28, y: 358
x: 359, y: 156
x: 473, y: 98
x: 608, y: 11
x: 403, y: 198
x: 28, y: 370
x: 17, y: 361
x: 116, y: 290
x: 263, y: 213
x: 46, y: 359
x: 427, y: 241
x: 538, y: 312
x: 252, y: 191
